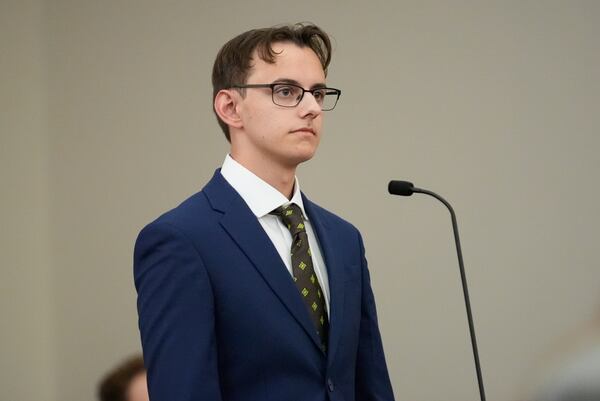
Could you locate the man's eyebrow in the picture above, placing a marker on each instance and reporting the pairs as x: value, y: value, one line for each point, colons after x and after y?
x: 294, y: 82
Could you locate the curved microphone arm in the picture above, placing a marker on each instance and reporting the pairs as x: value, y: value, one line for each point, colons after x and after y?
x: 405, y: 188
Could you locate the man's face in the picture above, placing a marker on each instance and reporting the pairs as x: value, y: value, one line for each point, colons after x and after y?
x: 282, y: 135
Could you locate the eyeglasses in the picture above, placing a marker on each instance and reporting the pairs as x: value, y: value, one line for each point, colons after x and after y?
x: 290, y: 95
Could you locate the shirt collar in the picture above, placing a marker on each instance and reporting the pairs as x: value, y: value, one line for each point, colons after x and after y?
x: 260, y: 196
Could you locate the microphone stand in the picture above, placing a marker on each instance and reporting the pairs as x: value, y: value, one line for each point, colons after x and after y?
x: 405, y: 188
x: 463, y: 279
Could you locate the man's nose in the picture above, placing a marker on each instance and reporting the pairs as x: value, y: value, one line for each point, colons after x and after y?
x: 309, y: 105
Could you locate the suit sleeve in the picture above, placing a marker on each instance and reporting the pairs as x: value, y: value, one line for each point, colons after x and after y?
x: 176, y: 316
x: 372, y: 378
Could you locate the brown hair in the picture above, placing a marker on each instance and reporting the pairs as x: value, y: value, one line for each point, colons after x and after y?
x: 114, y: 385
x: 233, y: 62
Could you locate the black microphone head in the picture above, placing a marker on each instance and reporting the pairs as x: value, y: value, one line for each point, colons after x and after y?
x: 402, y: 188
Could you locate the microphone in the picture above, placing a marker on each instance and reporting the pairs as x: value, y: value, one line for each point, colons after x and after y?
x: 405, y: 188
x: 402, y: 188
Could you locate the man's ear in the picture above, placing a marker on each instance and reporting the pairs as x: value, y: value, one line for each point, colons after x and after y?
x: 226, y: 107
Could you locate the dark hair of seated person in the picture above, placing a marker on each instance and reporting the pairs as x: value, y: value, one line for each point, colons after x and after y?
x: 114, y: 385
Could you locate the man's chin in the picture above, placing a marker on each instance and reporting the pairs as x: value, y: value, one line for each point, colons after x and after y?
x: 305, y: 155
x: 293, y: 161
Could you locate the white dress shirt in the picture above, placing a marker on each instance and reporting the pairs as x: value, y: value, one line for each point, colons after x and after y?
x: 262, y: 198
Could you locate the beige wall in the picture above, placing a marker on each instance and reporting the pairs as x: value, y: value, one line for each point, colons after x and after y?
x: 493, y: 105
x: 27, y: 338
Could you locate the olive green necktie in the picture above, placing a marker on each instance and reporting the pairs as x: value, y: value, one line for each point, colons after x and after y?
x: 303, y: 271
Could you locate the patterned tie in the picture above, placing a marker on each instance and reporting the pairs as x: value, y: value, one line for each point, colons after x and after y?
x: 302, y: 269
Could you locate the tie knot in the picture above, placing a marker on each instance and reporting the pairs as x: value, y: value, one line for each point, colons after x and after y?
x: 291, y: 216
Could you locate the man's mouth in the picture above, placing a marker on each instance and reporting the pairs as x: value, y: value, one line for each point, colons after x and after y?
x: 306, y: 129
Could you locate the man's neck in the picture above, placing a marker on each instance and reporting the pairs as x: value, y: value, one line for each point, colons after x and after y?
x: 274, y: 174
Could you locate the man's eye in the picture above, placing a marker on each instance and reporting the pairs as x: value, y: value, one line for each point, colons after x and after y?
x: 285, y: 91
x: 319, y: 94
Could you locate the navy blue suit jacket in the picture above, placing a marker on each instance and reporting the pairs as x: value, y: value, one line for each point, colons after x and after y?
x: 221, y: 319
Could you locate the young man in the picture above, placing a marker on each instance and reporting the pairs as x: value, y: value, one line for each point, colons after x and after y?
x: 248, y: 290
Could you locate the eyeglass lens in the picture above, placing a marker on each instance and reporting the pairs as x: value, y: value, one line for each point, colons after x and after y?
x: 291, y: 95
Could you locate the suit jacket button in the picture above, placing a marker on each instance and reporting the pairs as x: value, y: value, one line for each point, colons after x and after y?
x: 330, y: 385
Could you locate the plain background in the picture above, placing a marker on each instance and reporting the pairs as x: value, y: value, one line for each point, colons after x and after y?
x: 106, y: 122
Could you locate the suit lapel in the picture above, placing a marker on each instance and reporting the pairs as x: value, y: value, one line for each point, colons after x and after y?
x: 245, y: 230
x: 335, y: 272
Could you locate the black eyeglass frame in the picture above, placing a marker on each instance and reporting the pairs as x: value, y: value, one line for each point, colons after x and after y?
x: 337, y: 92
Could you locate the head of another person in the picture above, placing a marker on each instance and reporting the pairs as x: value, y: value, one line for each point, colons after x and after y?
x: 269, y: 92
x: 126, y: 382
